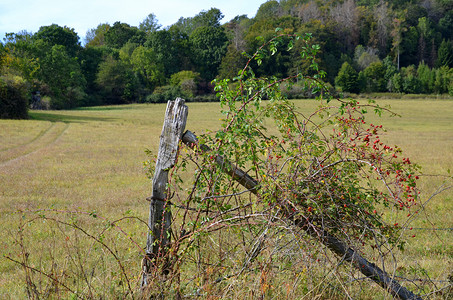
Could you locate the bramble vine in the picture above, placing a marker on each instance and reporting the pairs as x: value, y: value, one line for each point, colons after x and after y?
x: 323, y: 176
x: 328, y: 170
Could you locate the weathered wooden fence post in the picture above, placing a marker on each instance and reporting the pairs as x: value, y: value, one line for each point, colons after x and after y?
x: 159, y: 213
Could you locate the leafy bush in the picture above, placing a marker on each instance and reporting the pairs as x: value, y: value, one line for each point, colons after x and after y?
x: 395, y: 84
x: 426, y: 77
x: 45, y: 102
x: 117, y: 82
x: 347, y: 78
x: 443, y: 80
x: 164, y: 93
x: 305, y: 186
x: 375, y: 77
x: 73, y: 97
x: 189, y: 87
x: 410, y: 82
x: 13, y: 98
x: 187, y: 81
x: 183, y: 87
x: 178, y: 78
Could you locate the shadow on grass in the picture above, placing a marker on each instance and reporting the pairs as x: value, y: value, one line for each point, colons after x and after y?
x: 102, y: 108
x: 56, y: 117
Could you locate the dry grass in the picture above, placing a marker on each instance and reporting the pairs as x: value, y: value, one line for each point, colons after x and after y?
x: 91, y: 161
x: 425, y: 132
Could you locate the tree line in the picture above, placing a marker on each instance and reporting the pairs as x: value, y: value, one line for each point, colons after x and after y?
x: 403, y: 46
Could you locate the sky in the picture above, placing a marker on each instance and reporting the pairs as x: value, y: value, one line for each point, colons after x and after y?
x: 82, y: 15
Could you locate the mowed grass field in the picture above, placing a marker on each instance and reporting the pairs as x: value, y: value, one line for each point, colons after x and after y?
x: 86, y: 167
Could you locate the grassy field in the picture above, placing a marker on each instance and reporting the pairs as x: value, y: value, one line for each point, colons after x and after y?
x: 85, y: 167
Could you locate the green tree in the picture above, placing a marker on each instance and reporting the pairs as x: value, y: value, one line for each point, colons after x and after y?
x: 426, y: 76
x: 96, y: 36
x: 445, y: 54
x: 446, y: 25
x: 167, y: 50
x: 267, y: 10
x: 149, y: 24
x: 13, y: 97
x: 19, y: 56
x: 445, y: 5
x: 117, y: 81
x: 347, y: 78
x: 390, y: 68
x: 90, y: 59
x: 410, y: 82
x: 182, y: 53
x: 57, y: 35
x: 330, y: 53
x: 425, y: 31
x: 64, y: 77
x: 363, y: 82
x: 60, y: 75
x: 209, y: 45
x: 413, y: 12
x: 395, y: 84
x: 232, y: 62
x: 375, y: 77
x: 178, y: 78
x: 443, y: 82
x: 397, y: 37
x: 119, y: 34
x: 187, y: 81
x: 126, y: 51
x: 2, y: 55
x: 363, y: 57
x: 210, y: 18
x: 236, y: 29
x: 146, y: 65
x: 283, y: 62
x: 409, y: 47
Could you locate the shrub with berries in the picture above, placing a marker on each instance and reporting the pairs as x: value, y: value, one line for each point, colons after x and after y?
x: 326, y: 170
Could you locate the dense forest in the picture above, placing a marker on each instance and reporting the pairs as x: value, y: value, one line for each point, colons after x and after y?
x: 400, y: 46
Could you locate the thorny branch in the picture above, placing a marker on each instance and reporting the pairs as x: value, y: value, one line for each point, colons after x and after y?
x: 337, y: 246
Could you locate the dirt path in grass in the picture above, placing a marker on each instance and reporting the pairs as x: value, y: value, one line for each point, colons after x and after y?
x: 43, y: 140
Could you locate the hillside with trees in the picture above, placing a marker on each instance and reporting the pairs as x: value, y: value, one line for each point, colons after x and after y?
x: 402, y: 46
